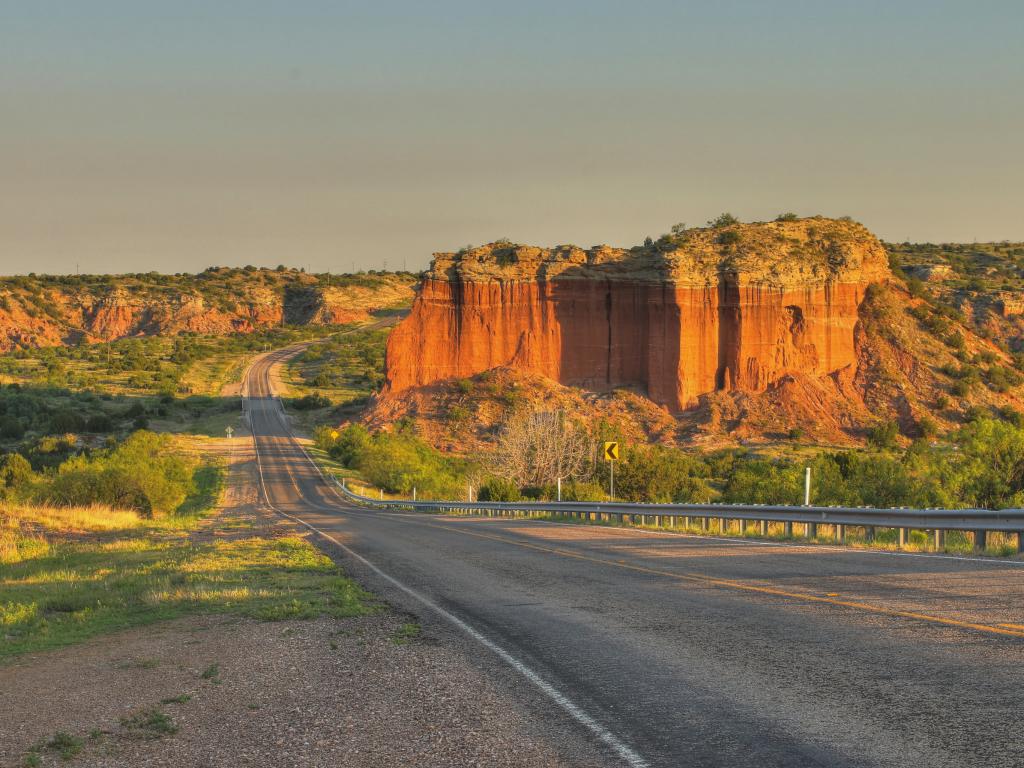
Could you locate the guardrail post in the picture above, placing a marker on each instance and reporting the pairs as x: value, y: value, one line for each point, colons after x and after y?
x: 788, y: 530
x: 812, y: 530
x: 980, y: 540
x: 764, y: 527
x: 869, y: 533
x: 903, y: 538
x: 721, y: 525
x: 1020, y: 542
x: 841, y: 534
x: 940, y: 539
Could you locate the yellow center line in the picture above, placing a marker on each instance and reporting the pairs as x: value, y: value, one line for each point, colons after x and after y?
x: 1013, y: 630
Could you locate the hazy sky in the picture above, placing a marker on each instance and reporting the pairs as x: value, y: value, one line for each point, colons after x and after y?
x: 138, y: 135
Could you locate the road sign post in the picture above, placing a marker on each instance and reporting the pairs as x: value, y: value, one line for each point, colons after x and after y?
x: 611, y: 455
x: 229, y: 432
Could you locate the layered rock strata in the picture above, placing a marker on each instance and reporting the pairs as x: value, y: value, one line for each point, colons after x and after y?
x: 734, y: 308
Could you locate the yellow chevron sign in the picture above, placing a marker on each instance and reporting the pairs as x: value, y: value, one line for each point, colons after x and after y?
x: 611, y: 451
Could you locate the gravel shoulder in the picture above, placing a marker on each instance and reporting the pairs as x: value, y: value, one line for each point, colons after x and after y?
x: 377, y: 690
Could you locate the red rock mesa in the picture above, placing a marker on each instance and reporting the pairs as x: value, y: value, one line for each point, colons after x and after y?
x: 733, y: 308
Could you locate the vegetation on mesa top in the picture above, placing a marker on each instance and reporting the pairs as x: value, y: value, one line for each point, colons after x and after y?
x: 220, y: 286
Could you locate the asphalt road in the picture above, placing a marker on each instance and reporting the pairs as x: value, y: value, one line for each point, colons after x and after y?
x: 695, y: 651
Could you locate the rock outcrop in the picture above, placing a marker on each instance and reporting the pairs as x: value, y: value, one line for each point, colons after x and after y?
x: 733, y: 308
x: 47, y: 312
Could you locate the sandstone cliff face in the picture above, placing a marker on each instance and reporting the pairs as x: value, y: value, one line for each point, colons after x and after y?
x: 734, y: 309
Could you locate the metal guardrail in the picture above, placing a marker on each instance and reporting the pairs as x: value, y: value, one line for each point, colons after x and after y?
x: 978, y: 521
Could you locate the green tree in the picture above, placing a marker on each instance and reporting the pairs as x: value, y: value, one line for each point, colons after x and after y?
x: 16, y: 474
x: 499, y: 489
x: 723, y: 220
x: 990, y: 471
x: 884, y: 435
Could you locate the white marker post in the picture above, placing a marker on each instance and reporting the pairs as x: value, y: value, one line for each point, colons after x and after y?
x: 559, y: 489
x: 807, y: 487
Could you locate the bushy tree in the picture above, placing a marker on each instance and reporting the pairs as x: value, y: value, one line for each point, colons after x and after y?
x: 723, y: 220
x: 989, y: 471
x: 143, y: 473
x: 758, y: 481
x: 499, y: 489
x: 16, y: 474
x: 662, y: 475
x: 884, y: 435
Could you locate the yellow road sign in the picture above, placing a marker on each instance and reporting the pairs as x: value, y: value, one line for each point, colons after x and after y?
x: 611, y: 451
x: 334, y: 434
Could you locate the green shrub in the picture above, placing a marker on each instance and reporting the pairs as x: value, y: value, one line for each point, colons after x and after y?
x: 350, y: 444
x: 65, y: 421
x: 99, y: 422
x: 499, y: 489
x: 1002, y: 379
x: 884, y: 435
x: 16, y: 474
x: 661, y: 474
x: 583, y: 491
x: 11, y: 428
x: 723, y: 220
x: 143, y: 473
x: 757, y: 481
x: 310, y: 402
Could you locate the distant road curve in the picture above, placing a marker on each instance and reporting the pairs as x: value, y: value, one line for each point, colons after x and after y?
x: 677, y: 650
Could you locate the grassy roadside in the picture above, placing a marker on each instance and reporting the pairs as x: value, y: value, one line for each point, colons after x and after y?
x: 68, y: 574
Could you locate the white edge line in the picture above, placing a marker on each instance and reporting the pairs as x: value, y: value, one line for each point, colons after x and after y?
x: 631, y: 757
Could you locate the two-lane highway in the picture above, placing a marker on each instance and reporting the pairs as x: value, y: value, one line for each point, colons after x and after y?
x: 682, y: 650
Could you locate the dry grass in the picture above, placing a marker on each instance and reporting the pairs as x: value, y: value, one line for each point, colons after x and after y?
x: 67, y: 574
